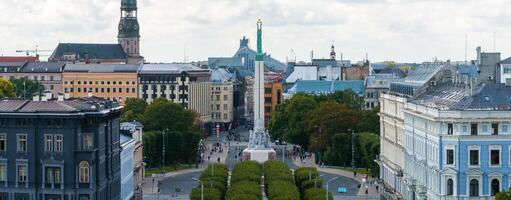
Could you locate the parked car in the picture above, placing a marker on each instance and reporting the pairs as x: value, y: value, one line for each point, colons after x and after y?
x: 342, y: 189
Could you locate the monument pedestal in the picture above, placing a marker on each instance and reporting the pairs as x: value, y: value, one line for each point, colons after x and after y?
x: 259, y: 155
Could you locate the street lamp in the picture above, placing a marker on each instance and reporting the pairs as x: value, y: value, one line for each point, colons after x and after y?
x: 201, y: 188
x: 352, y: 148
x: 327, y: 185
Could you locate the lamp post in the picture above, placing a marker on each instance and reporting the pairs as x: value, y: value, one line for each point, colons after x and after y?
x: 201, y: 188
x: 352, y: 148
x: 163, y: 150
x: 327, y: 185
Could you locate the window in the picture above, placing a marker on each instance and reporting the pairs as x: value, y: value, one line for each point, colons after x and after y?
x: 48, y: 143
x: 58, y: 143
x: 225, y: 106
x: 87, y: 141
x: 504, y: 128
x: 474, y: 157
x: 484, y: 128
x: 108, y: 90
x: 79, y: 89
x: 474, y: 188
x: 22, y: 173
x: 450, y: 187
x: 53, y: 175
x: 225, y: 97
x: 449, y: 129
x: 495, y: 128
x: 132, y: 90
x: 3, y: 172
x: 84, y: 172
x: 495, y: 187
x: 49, y: 175
x: 494, y: 157
x: 3, y: 146
x: 218, y: 97
x: 464, y: 128
x: 22, y: 143
x: 473, y: 129
x: 506, y: 69
x: 120, y: 90
x: 449, y: 157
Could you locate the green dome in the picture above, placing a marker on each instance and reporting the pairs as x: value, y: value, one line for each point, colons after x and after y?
x: 128, y: 27
x: 128, y: 4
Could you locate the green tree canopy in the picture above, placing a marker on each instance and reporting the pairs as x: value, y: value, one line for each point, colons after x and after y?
x: 162, y: 114
x: 134, y: 109
x: 26, y: 88
x: 7, y: 89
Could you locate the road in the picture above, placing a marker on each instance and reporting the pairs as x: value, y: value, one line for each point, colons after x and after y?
x: 185, y: 183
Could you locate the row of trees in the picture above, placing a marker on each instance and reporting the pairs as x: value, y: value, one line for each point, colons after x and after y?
x: 166, y: 123
x: 323, y: 124
x: 310, y: 184
x: 21, y: 88
x: 214, y: 180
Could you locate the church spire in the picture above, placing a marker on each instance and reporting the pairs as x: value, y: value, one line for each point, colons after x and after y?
x: 129, y: 30
x: 259, y: 56
x: 332, y: 52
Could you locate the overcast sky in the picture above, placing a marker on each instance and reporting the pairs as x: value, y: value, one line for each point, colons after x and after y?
x: 401, y: 30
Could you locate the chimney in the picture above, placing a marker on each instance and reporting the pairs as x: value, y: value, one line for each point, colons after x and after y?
x: 66, y: 96
x: 36, y: 97
x: 48, y: 95
x: 60, y: 96
x: 86, y: 57
x: 478, y: 50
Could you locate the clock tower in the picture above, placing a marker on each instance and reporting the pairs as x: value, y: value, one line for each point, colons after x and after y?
x: 129, y: 30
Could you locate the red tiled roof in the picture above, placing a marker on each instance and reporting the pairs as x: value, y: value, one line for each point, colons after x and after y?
x: 18, y: 59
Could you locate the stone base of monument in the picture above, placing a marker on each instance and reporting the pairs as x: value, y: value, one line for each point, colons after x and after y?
x: 259, y: 155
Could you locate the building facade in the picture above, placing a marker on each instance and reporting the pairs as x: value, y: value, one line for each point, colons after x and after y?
x: 66, y: 149
x: 135, y: 131
x: 49, y: 75
x: 222, y: 100
x: 184, y: 84
x: 273, y: 94
x: 374, y: 85
x: 110, y: 81
x: 127, y: 166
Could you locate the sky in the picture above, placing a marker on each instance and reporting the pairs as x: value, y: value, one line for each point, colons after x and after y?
x: 398, y: 30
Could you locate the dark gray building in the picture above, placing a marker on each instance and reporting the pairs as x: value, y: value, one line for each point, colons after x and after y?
x: 59, y: 150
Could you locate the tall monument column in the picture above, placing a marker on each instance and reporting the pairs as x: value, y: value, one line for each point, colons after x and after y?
x: 259, y: 148
x: 259, y: 81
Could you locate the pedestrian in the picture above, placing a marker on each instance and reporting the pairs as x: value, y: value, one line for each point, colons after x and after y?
x: 209, y: 158
x: 218, y: 159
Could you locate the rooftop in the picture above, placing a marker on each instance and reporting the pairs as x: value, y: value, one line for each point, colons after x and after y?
x: 101, y: 68
x: 174, y: 68
x: 43, y: 67
x: 325, y: 87
x: 18, y: 59
x: 69, y: 106
x: 95, y: 51
x: 462, y: 97
x: 220, y: 74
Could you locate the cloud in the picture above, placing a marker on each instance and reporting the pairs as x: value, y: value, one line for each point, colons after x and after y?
x: 403, y: 30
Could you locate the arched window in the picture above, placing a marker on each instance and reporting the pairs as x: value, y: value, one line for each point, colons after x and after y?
x: 84, y: 172
x: 495, y: 187
x: 474, y: 188
x: 450, y: 187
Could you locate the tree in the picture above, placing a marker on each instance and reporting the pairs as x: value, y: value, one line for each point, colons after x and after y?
x: 504, y: 195
x: 7, y: 89
x: 26, y: 88
x: 162, y: 114
x: 296, y: 110
x: 133, y: 109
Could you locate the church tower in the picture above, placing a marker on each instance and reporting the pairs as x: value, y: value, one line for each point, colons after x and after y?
x: 129, y: 30
x: 332, y: 53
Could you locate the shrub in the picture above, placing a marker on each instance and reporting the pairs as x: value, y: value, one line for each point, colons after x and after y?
x: 246, y: 171
x: 215, y: 183
x: 317, y: 194
x: 209, y: 194
x: 244, y: 189
x: 305, y: 173
x: 308, y: 184
x: 277, y: 170
x: 282, y: 190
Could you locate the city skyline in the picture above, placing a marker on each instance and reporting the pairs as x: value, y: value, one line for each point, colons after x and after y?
x: 400, y: 30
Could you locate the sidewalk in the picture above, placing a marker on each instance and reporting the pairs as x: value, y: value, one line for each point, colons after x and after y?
x: 147, y: 188
x: 370, y: 187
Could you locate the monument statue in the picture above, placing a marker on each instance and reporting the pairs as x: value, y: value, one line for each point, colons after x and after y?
x: 259, y: 148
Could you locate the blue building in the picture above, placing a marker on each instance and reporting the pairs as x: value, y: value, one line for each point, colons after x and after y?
x: 127, y: 166
x: 325, y: 87
x: 243, y: 61
x: 61, y: 149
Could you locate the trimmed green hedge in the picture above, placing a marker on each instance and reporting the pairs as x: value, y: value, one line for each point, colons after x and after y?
x: 245, y: 182
x: 303, y: 175
x: 317, y: 194
x: 244, y: 190
x: 214, y: 183
x: 209, y: 194
x: 275, y: 170
x: 282, y: 190
x: 279, y: 181
x: 308, y: 184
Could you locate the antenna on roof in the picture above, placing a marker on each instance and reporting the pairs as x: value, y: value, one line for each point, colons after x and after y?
x: 184, y: 52
x: 466, y: 46
x: 494, y: 42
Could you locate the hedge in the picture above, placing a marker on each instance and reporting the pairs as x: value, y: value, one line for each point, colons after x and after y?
x: 282, y: 190
x: 317, y: 194
x: 274, y: 170
x: 308, y: 184
x: 245, y: 182
x: 302, y: 175
x: 279, y: 181
x: 215, y: 184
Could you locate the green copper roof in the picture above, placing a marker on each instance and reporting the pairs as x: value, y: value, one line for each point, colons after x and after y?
x: 128, y: 4
x: 259, y: 56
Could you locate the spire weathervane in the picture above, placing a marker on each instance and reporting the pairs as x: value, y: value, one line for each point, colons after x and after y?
x: 259, y: 56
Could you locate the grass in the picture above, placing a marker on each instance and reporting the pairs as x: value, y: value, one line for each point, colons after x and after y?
x: 149, y: 172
